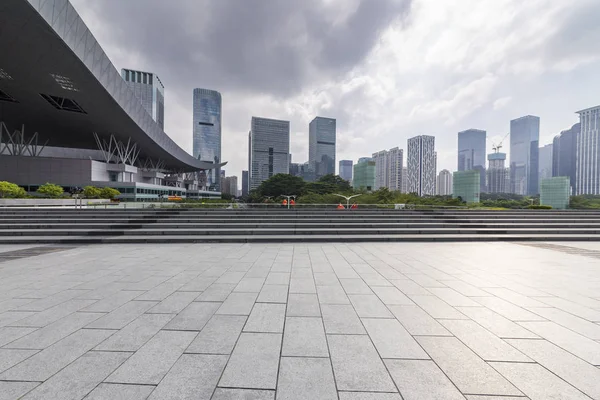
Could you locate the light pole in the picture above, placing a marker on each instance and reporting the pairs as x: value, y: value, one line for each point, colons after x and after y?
x: 288, y: 197
x: 347, y: 198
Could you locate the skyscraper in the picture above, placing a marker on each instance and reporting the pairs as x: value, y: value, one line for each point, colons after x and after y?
x: 207, y: 131
x: 471, y: 152
x: 498, y: 177
x: 564, y: 155
x: 444, y: 183
x: 394, y: 166
x: 321, y: 146
x: 244, y: 183
x: 345, y: 168
x: 545, y: 165
x: 404, y: 188
x: 588, y: 152
x: 524, y: 155
x: 269, y: 149
x: 151, y: 92
x: 421, y: 164
x: 381, y: 170
x: 388, y: 169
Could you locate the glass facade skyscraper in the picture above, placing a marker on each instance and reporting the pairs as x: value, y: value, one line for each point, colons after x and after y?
x: 588, y: 152
x: 564, y: 155
x: 421, y: 162
x: 524, y: 155
x: 151, y: 92
x: 207, y: 131
x: 471, y: 152
x: 321, y: 146
x: 345, y: 168
x: 269, y: 141
x: 554, y: 192
x: 545, y: 165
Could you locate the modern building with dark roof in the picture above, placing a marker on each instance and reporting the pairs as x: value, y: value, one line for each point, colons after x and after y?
x: 58, y: 89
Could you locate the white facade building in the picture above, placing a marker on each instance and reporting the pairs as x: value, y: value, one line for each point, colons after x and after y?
x: 388, y: 169
x: 444, y: 183
x: 421, y: 164
x: 588, y: 152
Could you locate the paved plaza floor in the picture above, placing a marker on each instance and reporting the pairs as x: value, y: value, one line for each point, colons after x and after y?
x: 481, y: 321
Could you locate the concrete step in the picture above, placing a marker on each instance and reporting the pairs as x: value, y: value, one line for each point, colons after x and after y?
x: 295, y: 231
x: 82, y: 240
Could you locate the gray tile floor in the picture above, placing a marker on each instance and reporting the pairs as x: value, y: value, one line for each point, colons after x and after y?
x: 477, y: 321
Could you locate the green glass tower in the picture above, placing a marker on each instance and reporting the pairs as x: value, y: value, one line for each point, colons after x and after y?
x: 555, y: 192
x: 364, y: 175
x: 466, y: 185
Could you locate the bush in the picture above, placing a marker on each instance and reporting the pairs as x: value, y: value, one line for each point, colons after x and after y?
x: 50, y: 190
x: 538, y: 207
x: 11, y: 191
x: 109, y: 193
x: 91, y: 192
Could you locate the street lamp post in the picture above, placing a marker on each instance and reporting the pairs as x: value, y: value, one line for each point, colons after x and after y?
x: 288, y: 197
x: 347, y: 198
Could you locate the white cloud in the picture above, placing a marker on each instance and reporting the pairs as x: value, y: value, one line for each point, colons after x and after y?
x: 501, y: 102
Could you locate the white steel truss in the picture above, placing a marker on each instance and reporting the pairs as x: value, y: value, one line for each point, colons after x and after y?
x: 16, y: 143
x: 126, y: 153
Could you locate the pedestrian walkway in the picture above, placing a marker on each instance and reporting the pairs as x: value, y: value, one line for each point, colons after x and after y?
x: 388, y: 321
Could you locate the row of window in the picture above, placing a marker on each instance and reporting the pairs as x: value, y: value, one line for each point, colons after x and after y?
x: 139, y: 77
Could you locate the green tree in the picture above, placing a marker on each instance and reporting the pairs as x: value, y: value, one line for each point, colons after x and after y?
x: 226, y: 196
x: 11, y: 190
x: 91, y: 192
x: 50, y: 190
x: 281, y: 184
x: 109, y: 193
x: 339, y: 184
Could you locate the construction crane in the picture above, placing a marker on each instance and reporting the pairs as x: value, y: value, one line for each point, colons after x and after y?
x: 497, y: 147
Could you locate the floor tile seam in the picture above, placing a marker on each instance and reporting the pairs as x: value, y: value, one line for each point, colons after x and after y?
x: 562, y: 348
x: 375, y: 347
x: 548, y: 370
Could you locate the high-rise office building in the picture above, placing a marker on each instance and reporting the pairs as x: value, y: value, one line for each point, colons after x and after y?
x: 364, y: 174
x: 269, y: 149
x: 345, y: 168
x: 444, y: 183
x: 564, y: 154
x: 229, y: 185
x: 381, y: 169
x: 151, y: 92
x: 471, y: 152
x: 545, y: 165
x: 404, y: 188
x: 498, y: 176
x: 321, y: 146
x: 388, y: 169
x: 588, y: 152
x: 244, y: 183
x: 524, y: 155
x: 421, y: 163
x: 394, y: 165
x: 206, y: 138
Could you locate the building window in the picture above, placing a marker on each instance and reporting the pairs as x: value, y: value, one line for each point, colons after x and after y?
x: 139, y: 77
x: 145, y: 78
x: 150, y: 79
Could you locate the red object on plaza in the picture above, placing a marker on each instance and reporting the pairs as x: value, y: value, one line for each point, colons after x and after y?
x: 340, y: 206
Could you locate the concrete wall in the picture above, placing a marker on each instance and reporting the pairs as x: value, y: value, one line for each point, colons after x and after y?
x: 24, y: 170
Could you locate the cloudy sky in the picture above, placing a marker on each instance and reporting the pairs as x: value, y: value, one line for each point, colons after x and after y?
x: 386, y: 69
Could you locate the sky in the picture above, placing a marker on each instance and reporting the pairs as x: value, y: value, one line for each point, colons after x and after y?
x: 387, y: 70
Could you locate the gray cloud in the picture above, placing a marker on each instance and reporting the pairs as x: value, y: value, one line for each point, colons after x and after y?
x: 273, y: 47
